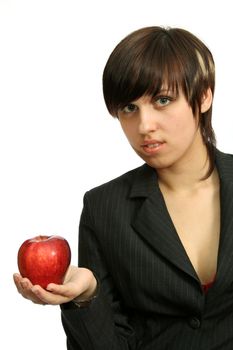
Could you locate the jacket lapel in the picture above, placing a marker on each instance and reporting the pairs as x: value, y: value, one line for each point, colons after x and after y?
x: 224, y: 278
x: 153, y: 221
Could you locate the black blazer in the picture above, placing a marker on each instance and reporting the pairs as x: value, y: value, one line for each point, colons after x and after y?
x: 150, y: 297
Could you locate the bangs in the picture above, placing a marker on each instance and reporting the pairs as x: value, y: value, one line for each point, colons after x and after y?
x: 144, y: 70
x: 154, y: 59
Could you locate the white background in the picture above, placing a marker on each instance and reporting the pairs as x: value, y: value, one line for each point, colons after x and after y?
x: 56, y: 137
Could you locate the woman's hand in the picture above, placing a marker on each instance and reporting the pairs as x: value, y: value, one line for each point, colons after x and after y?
x: 79, y: 283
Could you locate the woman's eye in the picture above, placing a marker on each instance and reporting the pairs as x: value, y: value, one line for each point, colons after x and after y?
x: 163, y: 101
x: 129, y: 108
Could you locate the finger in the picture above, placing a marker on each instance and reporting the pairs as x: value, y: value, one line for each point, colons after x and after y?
x: 22, y: 282
x: 65, y: 290
x: 27, y: 292
x: 17, y: 278
x: 48, y: 297
x: 24, y: 286
x: 21, y: 285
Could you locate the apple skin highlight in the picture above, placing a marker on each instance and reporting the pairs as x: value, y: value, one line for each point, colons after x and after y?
x: 44, y: 259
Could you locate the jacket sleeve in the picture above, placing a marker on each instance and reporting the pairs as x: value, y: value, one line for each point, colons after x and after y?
x: 104, y: 324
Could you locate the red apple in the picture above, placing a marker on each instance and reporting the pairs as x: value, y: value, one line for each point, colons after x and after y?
x: 44, y: 259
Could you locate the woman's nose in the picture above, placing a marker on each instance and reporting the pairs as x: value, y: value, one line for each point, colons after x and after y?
x: 148, y: 122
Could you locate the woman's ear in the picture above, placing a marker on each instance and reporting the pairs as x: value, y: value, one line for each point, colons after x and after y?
x: 207, y: 100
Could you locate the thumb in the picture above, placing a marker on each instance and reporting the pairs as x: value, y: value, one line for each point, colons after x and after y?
x: 60, y: 289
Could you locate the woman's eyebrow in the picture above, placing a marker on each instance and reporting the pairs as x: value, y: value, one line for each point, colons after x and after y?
x: 164, y: 91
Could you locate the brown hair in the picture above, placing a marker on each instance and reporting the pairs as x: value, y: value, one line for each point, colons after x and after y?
x: 150, y: 57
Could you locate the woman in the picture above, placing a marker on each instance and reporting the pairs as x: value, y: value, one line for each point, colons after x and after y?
x: 155, y: 245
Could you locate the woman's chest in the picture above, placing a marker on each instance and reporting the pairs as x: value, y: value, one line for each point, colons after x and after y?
x: 196, y: 219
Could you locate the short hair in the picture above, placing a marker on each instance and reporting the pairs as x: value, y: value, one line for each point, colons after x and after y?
x: 151, y: 57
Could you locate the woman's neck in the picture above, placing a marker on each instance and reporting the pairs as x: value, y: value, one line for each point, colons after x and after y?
x: 187, y: 174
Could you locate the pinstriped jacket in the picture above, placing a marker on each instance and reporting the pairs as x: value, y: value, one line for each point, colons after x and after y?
x: 150, y: 296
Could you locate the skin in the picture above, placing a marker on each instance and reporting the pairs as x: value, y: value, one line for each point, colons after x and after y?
x: 180, y: 163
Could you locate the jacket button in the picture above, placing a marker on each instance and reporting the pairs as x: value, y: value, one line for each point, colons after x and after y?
x: 194, y: 322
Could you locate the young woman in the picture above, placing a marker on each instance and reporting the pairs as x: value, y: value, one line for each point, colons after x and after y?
x: 155, y: 245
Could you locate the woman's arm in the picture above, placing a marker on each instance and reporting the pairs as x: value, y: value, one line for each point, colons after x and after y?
x: 104, y: 324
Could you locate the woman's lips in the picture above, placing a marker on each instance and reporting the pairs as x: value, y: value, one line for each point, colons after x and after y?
x: 152, y: 146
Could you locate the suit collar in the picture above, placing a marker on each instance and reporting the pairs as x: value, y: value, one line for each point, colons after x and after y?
x: 153, y: 222
x: 144, y: 182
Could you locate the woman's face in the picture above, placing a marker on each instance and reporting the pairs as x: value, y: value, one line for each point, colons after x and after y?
x: 162, y: 130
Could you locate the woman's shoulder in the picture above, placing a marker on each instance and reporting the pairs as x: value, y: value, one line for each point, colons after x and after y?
x: 122, y: 183
x: 224, y: 154
x: 224, y: 157
x: 224, y: 163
